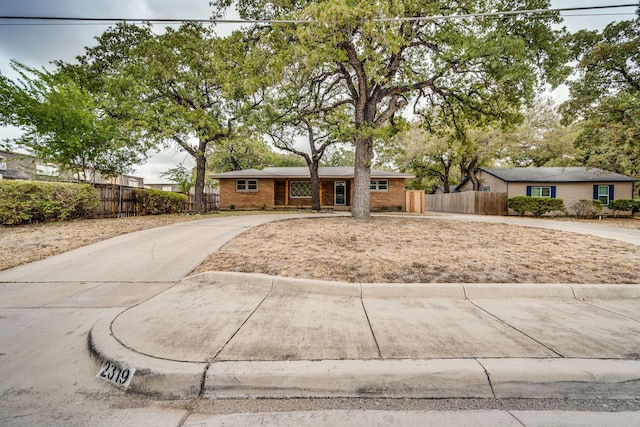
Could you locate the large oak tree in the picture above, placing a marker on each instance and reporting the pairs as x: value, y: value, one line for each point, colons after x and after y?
x: 384, y: 56
x: 605, y: 96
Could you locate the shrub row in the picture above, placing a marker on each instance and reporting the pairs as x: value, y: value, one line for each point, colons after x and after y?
x: 624, y: 205
x: 537, y: 206
x: 156, y: 202
x: 35, y: 201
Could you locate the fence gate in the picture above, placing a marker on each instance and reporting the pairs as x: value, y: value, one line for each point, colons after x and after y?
x: 415, y: 201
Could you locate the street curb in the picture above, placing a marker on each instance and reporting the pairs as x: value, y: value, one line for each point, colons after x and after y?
x: 394, y: 378
x: 524, y: 378
x: 563, y: 378
x: 433, y: 378
x: 426, y: 290
x: 165, y: 379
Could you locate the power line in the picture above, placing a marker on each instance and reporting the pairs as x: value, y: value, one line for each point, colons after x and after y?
x: 67, y: 20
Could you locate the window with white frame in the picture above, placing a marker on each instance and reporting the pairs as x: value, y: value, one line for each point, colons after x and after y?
x: 246, y: 185
x: 300, y: 189
x: 603, y: 194
x: 3, y: 164
x: 379, y: 185
x: 133, y: 183
x: 540, y: 191
x: 167, y: 188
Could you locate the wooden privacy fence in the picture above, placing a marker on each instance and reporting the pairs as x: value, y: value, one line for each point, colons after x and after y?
x: 415, y: 201
x: 116, y: 201
x: 211, y: 202
x: 469, y: 202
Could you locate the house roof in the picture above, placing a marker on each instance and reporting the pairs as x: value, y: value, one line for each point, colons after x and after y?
x: 342, y: 172
x: 556, y: 174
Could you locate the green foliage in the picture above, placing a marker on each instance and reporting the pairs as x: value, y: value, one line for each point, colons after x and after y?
x: 181, y: 176
x: 605, y: 96
x: 247, y: 153
x: 540, y: 140
x: 37, y: 201
x: 587, y: 208
x: 537, y: 206
x: 156, y: 202
x: 339, y: 155
x: 623, y: 205
x: 63, y: 123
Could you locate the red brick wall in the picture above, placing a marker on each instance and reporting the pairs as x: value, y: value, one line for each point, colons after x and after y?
x: 391, y: 198
x: 266, y: 195
x: 263, y: 198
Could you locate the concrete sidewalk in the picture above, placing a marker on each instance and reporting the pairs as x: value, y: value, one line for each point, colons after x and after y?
x: 239, y: 335
x: 277, y: 337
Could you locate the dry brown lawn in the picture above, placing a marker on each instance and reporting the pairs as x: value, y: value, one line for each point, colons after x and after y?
x: 405, y: 250
x: 385, y: 249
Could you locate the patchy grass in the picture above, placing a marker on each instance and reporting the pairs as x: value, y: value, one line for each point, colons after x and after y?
x: 385, y: 249
x: 406, y: 250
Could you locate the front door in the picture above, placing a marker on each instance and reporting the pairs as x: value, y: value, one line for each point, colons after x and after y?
x: 340, y: 192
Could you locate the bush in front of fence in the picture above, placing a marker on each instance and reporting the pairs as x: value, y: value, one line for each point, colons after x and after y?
x: 39, y: 201
x: 537, y: 206
x: 156, y: 202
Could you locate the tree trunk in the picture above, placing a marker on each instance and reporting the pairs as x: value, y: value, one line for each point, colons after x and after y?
x: 201, y: 162
x: 360, y: 204
x: 315, y: 186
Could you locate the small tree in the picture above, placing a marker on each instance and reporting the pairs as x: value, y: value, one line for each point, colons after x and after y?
x: 64, y: 124
x: 181, y: 176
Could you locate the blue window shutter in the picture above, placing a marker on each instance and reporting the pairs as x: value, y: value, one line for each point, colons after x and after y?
x: 610, y: 192
x: 553, y: 191
x: 595, y: 192
x: 528, y: 191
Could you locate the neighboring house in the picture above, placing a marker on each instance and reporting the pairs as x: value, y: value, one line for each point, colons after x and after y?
x: 440, y: 189
x: 291, y: 187
x: 569, y: 183
x: 175, y: 188
x: 170, y: 186
x: 126, y: 180
x: 25, y: 166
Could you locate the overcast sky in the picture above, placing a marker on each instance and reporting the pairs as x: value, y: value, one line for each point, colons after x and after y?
x: 36, y: 44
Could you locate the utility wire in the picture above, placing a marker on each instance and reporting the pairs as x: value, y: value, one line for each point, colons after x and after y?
x: 67, y: 19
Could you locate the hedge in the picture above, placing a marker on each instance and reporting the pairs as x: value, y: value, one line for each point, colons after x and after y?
x: 623, y: 205
x: 37, y: 201
x: 156, y: 202
x: 537, y: 206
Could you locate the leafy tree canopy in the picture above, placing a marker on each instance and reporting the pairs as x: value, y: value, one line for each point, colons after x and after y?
x: 605, y: 96
x: 64, y: 124
x: 455, y: 71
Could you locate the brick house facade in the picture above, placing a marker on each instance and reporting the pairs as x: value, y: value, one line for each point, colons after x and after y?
x: 277, y: 188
